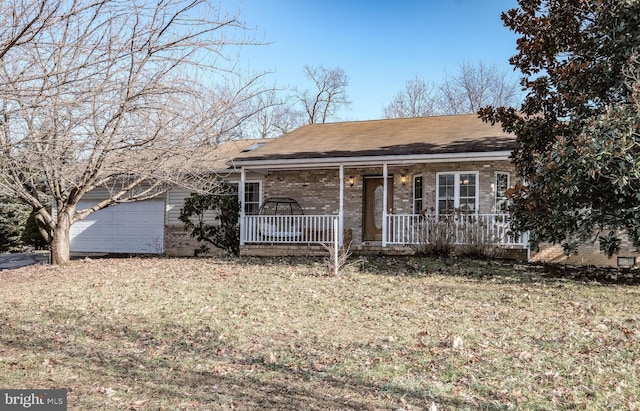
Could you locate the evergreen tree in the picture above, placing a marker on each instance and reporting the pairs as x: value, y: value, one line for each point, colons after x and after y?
x: 578, y: 130
x: 13, y: 215
x: 31, y: 235
x: 224, y: 209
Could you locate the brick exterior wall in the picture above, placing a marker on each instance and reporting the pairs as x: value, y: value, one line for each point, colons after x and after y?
x: 178, y: 242
x: 318, y: 191
x: 588, y: 254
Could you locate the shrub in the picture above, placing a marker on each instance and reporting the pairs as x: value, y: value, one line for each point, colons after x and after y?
x: 223, y: 209
x: 476, y: 240
x: 435, y: 236
x: 462, y: 234
x: 341, y: 259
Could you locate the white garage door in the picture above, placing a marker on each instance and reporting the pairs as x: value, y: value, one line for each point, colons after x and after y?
x: 124, y: 228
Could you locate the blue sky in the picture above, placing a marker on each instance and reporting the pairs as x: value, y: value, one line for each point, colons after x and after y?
x: 379, y: 45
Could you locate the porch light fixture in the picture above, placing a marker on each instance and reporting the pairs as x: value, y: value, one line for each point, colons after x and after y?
x: 403, y: 179
x: 351, y: 181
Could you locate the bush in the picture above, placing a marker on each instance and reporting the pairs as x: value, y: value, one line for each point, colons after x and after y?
x: 223, y: 210
x: 435, y: 236
x: 476, y: 241
x: 341, y: 259
x: 460, y: 234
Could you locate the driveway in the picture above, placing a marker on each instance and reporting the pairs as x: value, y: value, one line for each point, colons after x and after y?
x: 10, y: 261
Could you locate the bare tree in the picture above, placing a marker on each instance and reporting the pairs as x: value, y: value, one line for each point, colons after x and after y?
x: 475, y: 86
x: 237, y: 103
x: 20, y: 25
x: 285, y: 118
x: 329, y: 95
x: 108, y: 94
x: 417, y: 99
x: 277, y: 115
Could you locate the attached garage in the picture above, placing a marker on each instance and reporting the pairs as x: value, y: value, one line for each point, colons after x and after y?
x: 136, y: 227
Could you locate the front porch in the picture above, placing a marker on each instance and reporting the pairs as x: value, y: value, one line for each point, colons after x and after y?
x: 402, y: 233
x: 425, y: 203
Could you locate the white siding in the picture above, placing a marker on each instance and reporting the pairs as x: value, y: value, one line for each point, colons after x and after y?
x: 136, y: 227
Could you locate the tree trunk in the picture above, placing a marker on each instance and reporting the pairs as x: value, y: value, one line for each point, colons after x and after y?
x: 43, y: 228
x: 60, y: 242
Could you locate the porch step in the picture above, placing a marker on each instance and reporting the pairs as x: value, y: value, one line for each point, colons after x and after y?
x: 314, y: 250
x: 279, y: 250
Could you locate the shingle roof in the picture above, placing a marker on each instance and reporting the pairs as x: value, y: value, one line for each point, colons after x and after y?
x: 219, y: 157
x: 422, y: 135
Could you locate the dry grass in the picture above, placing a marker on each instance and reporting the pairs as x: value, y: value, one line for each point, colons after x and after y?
x: 200, y: 334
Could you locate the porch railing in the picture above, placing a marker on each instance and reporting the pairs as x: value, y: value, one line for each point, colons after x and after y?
x: 287, y: 228
x: 458, y: 228
x: 402, y: 229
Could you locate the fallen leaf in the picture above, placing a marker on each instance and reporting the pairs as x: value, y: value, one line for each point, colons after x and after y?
x: 525, y: 356
x: 458, y: 343
x: 271, y: 358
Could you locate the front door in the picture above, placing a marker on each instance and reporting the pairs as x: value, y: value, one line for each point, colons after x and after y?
x: 373, y: 189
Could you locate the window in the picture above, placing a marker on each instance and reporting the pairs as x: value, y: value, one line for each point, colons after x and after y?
x: 252, y: 194
x: 467, y: 193
x: 446, y: 193
x: 501, y: 187
x: 417, y: 195
x: 457, y: 192
x: 251, y: 198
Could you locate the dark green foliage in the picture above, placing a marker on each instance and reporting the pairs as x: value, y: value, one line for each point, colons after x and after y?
x: 578, y: 128
x: 13, y: 215
x: 224, y: 208
x: 31, y: 235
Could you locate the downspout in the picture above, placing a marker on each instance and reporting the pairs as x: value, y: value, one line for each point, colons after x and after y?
x: 243, y: 178
x: 341, y: 211
x: 384, y: 204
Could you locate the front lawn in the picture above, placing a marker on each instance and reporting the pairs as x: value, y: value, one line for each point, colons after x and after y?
x: 404, y: 333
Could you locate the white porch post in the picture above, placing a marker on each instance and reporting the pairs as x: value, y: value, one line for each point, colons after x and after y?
x: 384, y: 204
x: 341, y: 212
x: 243, y: 178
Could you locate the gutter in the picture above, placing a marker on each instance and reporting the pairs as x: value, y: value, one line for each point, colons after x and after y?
x: 310, y: 163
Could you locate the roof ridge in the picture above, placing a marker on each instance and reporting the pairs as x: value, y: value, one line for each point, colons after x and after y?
x: 394, y: 119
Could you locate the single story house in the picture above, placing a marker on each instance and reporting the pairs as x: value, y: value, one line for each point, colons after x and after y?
x: 382, y: 183
x: 341, y: 171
